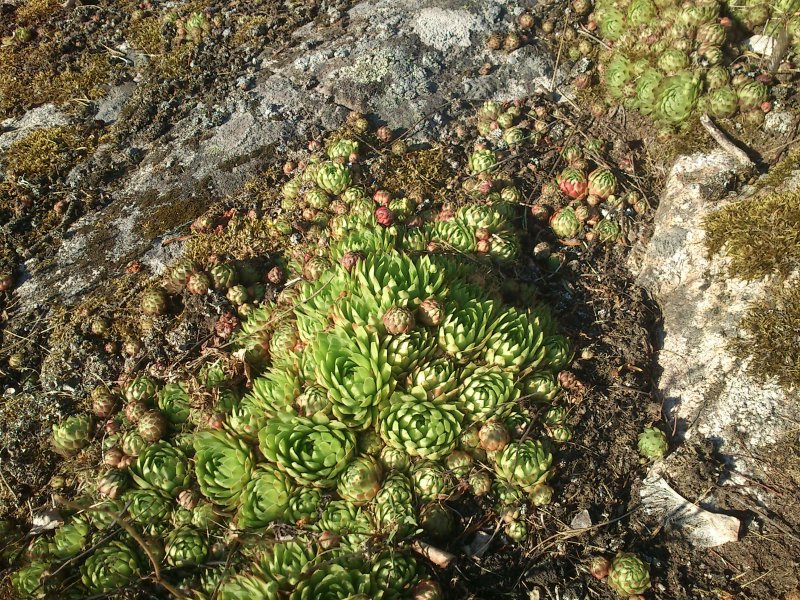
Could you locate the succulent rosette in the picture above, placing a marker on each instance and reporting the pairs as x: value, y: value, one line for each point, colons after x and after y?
x: 313, y: 451
x: 186, y: 546
x: 360, y: 480
x: 486, y: 391
x: 29, y: 581
x: 618, y: 72
x: 525, y: 463
x: 515, y: 342
x: 110, y: 567
x: 223, y: 466
x: 335, y: 582
x: 541, y: 387
x: 70, y: 538
x: 430, y: 481
x: 72, y: 434
x: 723, y: 102
x: 395, y: 459
x: 436, y: 380
x: 752, y: 94
x: 404, y: 352
x: 557, y: 352
x: 565, y: 223
x: 393, y: 506
x: 174, y: 403
x: 397, y: 571
x: 285, y: 563
x: 573, y: 183
x: 149, y: 509
x: 265, y: 498
x: 303, y: 505
x: 602, y: 183
x: 420, y: 427
x: 652, y: 443
x: 467, y: 324
x: 482, y: 160
x: 646, y: 85
x: 333, y: 177
x: 676, y: 97
x: 629, y: 575
x: 352, y: 364
x: 140, y: 388
x: 342, y: 148
x: 247, y: 587
x: 161, y: 466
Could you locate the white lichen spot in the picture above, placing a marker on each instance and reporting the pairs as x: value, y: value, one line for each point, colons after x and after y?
x: 445, y: 29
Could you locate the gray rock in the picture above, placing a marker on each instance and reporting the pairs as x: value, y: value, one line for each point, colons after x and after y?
x: 704, y: 388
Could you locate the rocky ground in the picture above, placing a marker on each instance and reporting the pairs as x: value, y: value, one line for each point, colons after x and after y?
x: 149, y: 128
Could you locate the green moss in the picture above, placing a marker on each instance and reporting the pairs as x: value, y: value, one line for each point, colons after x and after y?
x: 46, y: 153
x: 421, y: 172
x: 760, y: 236
x: 781, y: 171
x: 33, y: 11
x: 770, y: 339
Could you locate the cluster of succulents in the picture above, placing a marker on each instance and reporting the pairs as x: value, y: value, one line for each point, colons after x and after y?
x: 596, y: 201
x: 670, y: 58
x: 395, y: 371
x: 511, y: 40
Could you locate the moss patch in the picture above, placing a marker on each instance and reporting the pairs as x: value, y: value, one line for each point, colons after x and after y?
x: 760, y: 235
x: 48, y: 152
x: 771, y: 336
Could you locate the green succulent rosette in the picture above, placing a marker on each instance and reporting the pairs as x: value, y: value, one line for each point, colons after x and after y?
x: 72, y: 434
x: 265, y: 498
x: 174, y: 403
x: 652, y: 443
x: 285, y: 563
x: 541, y: 387
x: 524, y: 463
x: 360, y: 480
x: 148, y: 508
x: 466, y: 326
x: 110, y: 567
x: 333, y: 177
x: 673, y: 60
x: 142, y: 388
x: 393, y: 507
x: 629, y: 575
x: 420, y: 427
x: 29, y: 581
x: 505, y: 246
x: 352, y: 365
x: 607, y: 230
x: 436, y: 380
x: 430, y: 481
x: 303, y: 505
x: 275, y: 391
x: 453, y: 235
x: 342, y: 148
x: 723, y: 102
x: 565, y: 223
x: 161, y: 466
x: 515, y: 342
x: 676, y: 97
x: 223, y: 465
x: 396, y: 572
x: 752, y: 94
x: 611, y: 22
x: 313, y: 451
x: 394, y: 459
x: 483, y: 216
x: 70, y: 538
x: 646, y: 85
x: 557, y: 352
x: 335, y: 582
x: 186, y: 546
x: 247, y: 587
x: 482, y: 160
x: 486, y: 391
x: 405, y: 351
x: 618, y: 72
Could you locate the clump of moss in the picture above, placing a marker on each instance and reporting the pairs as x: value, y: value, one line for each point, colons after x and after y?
x: 771, y: 328
x: 421, y: 172
x: 760, y: 236
x: 47, y: 152
x: 35, y: 10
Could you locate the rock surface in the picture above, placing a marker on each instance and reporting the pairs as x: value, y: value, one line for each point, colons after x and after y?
x: 706, y: 391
